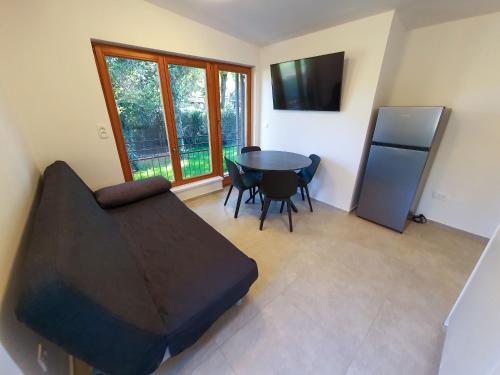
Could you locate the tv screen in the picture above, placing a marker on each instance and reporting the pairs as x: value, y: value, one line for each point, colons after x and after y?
x: 310, y: 84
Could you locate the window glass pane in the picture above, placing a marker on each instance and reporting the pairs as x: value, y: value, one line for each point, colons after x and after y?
x: 233, y: 88
x: 137, y: 93
x: 189, y: 97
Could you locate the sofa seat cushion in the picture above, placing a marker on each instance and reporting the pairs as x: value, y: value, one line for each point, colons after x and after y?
x: 193, y: 273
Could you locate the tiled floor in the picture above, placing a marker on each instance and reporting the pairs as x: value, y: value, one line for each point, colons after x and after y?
x: 340, y: 295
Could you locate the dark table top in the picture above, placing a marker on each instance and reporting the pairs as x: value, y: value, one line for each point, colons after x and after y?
x: 273, y: 160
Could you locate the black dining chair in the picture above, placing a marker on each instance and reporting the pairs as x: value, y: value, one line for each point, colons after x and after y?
x: 306, y: 175
x: 242, y: 182
x: 278, y: 186
x: 246, y: 149
x: 256, y: 174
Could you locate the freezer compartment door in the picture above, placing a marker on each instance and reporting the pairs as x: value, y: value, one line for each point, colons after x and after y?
x: 407, y: 126
x: 391, y: 179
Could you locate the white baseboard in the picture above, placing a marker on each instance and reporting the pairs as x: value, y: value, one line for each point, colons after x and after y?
x: 198, y: 188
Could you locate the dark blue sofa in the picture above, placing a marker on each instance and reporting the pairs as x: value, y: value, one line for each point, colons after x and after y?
x: 117, y: 287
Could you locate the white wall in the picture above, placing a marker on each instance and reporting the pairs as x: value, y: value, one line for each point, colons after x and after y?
x: 19, y: 180
x: 457, y: 64
x: 472, y: 343
x: 54, y: 85
x: 17, y: 191
x: 390, y: 63
x: 396, y: 43
x: 338, y: 137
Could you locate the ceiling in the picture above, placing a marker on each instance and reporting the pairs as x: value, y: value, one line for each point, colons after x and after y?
x: 264, y: 22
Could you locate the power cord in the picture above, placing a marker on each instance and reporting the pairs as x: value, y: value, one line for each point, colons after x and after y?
x: 421, y: 219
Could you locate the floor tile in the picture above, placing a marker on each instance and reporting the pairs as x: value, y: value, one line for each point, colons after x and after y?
x: 338, y: 295
x: 216, y: 364
x: 186, y: 362
x: 283, y: 340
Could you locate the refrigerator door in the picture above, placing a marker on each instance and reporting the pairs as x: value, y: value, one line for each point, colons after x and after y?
x: 389, y: 185
x: 407, y: 126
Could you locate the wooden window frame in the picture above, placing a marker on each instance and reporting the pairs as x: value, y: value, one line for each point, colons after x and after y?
x: 236, y: 69
x: 101, y: 50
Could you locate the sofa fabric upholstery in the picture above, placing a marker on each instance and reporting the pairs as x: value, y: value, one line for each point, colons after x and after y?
x: 116, y: 287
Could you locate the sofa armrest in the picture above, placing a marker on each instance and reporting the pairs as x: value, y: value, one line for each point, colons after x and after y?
x: 88, y: 331
x: 130, y: 192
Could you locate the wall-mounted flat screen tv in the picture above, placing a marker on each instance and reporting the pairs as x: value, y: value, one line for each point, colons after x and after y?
x: 310, y: 84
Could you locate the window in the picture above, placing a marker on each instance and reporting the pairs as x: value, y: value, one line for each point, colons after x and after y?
x: 190, y: 103
x: 137, y: 94
x: 173, y: 116
x: 233, y: 112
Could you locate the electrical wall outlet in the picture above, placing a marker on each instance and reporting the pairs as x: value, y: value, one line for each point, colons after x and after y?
x: 102, y: 131
x: 41, y: 357
x: 440, y: 196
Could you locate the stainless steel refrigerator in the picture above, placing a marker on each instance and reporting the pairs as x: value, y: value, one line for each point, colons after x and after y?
x: 404, y: 143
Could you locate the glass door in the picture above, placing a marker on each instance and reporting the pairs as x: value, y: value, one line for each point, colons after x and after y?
x: 188, y: 85
x: 135, y: 99
x: 234, y: 114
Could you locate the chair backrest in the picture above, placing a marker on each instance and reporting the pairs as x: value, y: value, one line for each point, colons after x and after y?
x: 246, y: 149
x: 308, y: 173
x: 279, y: 184
x: 234, y: 173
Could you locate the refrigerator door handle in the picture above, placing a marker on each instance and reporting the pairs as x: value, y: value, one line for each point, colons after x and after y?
x: 404, y: 147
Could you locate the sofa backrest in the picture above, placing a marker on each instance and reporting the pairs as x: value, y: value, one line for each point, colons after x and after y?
x: 76, y: 243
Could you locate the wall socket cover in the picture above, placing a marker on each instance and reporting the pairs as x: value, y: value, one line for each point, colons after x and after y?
x: 41, y: 358
x: 439, y: 195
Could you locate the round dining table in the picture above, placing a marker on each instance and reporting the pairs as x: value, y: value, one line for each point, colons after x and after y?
x: 273, y: 161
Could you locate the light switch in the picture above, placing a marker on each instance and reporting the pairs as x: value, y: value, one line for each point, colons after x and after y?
x: 102, y: 131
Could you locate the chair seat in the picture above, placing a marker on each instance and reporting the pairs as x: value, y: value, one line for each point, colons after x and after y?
x: 306, y: 175
x: 251, y: 179
x: 257, y: 174
x: 303, y: 179
x: 280, y: 186
x: 276, y: 197
x: 242, y: 181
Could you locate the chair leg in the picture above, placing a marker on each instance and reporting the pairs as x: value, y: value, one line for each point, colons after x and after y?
x: 240, y: 195
x: 267, y: 202
x: 282, y: 205
x: 253, y: 195
x: 260, y: 196
x: 289, y: 209
x: 228, y: 194
x: 309, y: 199
x: 302, y: 192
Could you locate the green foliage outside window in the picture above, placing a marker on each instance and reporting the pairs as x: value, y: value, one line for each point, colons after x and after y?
x: 138, y: 97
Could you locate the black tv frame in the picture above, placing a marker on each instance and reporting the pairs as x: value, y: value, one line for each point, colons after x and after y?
x: 276, y: 88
